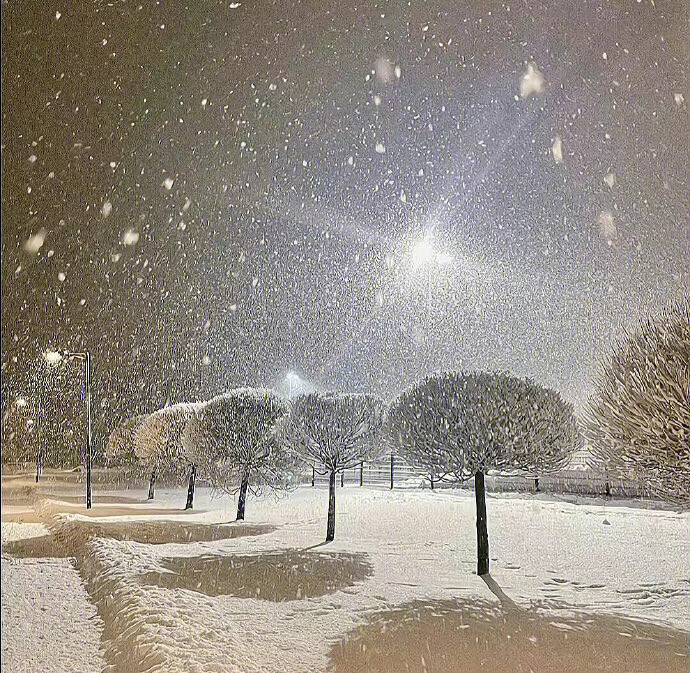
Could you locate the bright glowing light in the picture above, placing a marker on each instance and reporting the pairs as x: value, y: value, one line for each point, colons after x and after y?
x: 52, y: 357
x: 292, y: 381
x: 444, y: 258
x: 423, y: 252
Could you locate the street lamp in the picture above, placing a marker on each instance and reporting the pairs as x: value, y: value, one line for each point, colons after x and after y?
x: 423, y: 255
x: 54, y: 357
x: 292, y: 380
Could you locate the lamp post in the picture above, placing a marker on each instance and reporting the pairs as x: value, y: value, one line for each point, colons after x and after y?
x: 54, y: 357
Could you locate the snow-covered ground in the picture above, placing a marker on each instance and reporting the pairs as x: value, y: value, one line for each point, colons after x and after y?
x: 274, y: 600
x: 48, y: 622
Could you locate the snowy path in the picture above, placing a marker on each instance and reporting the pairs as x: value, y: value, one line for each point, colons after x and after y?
x: 48, y: 623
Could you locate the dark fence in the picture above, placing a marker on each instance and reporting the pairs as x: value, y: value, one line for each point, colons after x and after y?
x: 393, y: 472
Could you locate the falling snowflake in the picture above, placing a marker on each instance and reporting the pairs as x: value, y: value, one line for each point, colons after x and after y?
x: 380, y: 148
x: 610, y: 179
x: 168, y: 183
x: 106, y: 209
x: 607, y: 226
x: 384, y: 70
x: 130, y: 237
x: 532, y: 82
x: 34, y: 243
x: 557, y: 150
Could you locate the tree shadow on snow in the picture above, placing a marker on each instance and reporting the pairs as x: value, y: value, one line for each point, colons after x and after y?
x: 477, y: 635
x: 271, y: 576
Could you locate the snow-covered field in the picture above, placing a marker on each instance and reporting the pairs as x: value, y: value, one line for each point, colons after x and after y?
x: 271, y: 599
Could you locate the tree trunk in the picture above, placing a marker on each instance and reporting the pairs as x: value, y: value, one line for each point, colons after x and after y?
x: 392, y: 468
x: 536, y: 484
x: 39, y: 464
x: 242, y: 498
x: 330, y: 529
x: 152, y: 484
x: 313, y: 475
x: 342, y: 479
x: 361, y: 473
x: 608, y: 489
x: 431, y: 479
x: 190, y: 489
x: 482, y: 533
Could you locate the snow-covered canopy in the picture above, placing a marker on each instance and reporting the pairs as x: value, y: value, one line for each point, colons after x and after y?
x: 159, y: 437
x: 456, y: 424
x: 121, y: 441
x: 232, y: 436
x: 638, y: 421
x: 335, y: 430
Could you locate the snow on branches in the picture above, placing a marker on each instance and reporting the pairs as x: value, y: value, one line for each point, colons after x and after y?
x: 119, y: 449
x: 231, y: 439
x: 158, y: 440
x: 335, y: 430
x: 638, y: 420
x: 453, y: 425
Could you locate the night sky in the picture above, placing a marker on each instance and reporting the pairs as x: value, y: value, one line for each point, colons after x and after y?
x: 209, y: 194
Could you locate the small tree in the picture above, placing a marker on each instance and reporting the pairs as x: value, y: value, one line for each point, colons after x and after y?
x: 232, y: 440
x: 336, y: 431
x: 463, y: 425
x: 120, y: 451
x: 638, y: 420
x: 158, y: 441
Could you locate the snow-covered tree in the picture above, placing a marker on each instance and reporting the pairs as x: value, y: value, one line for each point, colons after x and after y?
x: 461, y: 425
x: 232, y: 441
x: 158, y: 442
x: 638, y: 420
x: 334, y: 431
x: 119, y: 452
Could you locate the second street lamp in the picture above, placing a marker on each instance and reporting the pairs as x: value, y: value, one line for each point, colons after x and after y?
x: 54, y: 357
